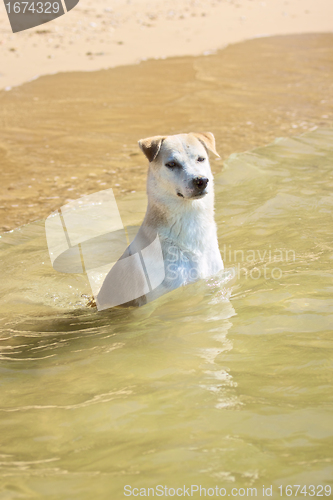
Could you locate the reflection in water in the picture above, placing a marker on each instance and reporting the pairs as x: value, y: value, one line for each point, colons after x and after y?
x: 192, y: 388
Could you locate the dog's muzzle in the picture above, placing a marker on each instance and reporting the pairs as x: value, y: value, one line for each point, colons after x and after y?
x: 200, y: 183
x: 197, y: 189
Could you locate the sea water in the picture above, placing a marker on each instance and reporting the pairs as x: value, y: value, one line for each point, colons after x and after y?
x: 225, y: 383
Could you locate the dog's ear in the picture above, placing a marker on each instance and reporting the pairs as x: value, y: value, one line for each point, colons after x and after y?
x: 208, y: 140
x: 151, y: 146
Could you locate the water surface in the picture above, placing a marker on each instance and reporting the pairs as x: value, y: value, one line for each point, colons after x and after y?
x: 193, y: 388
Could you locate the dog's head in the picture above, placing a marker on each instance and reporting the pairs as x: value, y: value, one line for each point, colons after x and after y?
x: 180, y: 163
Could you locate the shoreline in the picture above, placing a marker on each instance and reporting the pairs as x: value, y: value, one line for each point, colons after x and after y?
x: 92, y: 39
x: 75, y: 133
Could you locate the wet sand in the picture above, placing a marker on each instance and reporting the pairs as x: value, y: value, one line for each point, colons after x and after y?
x: 100, y: 34
x: 71, y: 134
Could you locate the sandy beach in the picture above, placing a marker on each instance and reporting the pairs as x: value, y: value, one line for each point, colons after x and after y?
x: 102, y: 34
x: 218, y: 389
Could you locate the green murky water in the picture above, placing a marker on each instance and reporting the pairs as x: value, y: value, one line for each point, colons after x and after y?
x: 192, y: 389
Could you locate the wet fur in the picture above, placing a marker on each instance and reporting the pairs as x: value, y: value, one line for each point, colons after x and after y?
x: 185, y: 224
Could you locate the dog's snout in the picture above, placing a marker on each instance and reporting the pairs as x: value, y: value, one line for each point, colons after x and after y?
x: 200, y: 182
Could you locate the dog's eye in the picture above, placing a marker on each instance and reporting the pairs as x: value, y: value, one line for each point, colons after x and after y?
x: 201, y: 158
x: 171, y: 164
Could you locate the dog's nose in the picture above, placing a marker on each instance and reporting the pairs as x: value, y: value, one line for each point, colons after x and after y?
x: 200, y: 182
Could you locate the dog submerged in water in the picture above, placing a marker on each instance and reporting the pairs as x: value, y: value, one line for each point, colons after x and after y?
x: 178, y: 229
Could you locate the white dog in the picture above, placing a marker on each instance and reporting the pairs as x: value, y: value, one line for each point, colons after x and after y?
x: 179, y: 226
